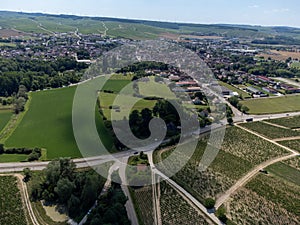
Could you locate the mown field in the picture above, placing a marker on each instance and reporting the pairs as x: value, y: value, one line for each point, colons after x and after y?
x: 284, y: 104
x: 11, y: 207
x: 236, y: 157
x: 270, y: 131
x: 268, y: 199
x: 5, y: 116
x: 48, y: 124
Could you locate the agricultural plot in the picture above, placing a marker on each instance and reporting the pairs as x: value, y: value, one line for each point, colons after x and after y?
x: 273, y: 105
x: 293, y: 144
x: 48, y: 124
x: 270, y: 131
x: 144, y: 202
x: 5, y: 116
x: 268, y: 199
x: 235, y: 158
x: 290, y: 122
x: 12, y: 210
x: 176, y: 210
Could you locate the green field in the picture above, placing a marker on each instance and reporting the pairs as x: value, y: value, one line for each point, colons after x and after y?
x: 295, y: 65
x: 107, y: 100
x: 5, y: 116
x: 153, y: 89
x: 12, y: 158
x: 286, y: 172
x: 234, y: 89
x: 273, y: 105
x: 48, y: 124
x: 11, y: 207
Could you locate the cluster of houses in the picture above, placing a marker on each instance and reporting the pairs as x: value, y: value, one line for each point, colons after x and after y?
x: 58, y: 45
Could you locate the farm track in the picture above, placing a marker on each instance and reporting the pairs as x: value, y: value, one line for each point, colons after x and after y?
x: 25, y: 197
x: 240, y: 183
x: 287, y: 139
x: 276, y: 125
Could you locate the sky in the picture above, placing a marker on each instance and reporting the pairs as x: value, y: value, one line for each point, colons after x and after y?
x: 253, y: 12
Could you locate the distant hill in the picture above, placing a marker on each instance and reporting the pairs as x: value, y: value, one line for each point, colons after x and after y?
x: 134, y: 29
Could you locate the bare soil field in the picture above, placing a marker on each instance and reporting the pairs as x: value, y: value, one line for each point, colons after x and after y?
x: 281, y: 55
x: 5, y: 33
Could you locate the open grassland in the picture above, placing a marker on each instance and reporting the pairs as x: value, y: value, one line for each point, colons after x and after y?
x: 284, y: 104
x: 176, y: 210
x: 5, y: 116
x: 151, y: 88
x: 290, y: 122
x: 270, y: 131
x: 236, y: 157
x: 48, y: 124
x: 107, y: 100
x: 234, y: 89
x: 11, y: 207
x: 13, y: 158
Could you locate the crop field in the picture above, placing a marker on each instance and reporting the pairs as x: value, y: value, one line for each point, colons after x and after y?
x: 11, y: 208
x: 5, y: 116
x: 235, y: 158
x: 293, y: 144
x: 272, y: 198
x: 270, y: 131
x: 290, y: 122
x: 176, y: 210
x: 294, y: 162
x: 48, y: 124
x: 284, y: 104
x: 144, y: 202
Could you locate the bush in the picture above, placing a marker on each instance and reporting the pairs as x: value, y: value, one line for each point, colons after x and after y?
x: 209, y: 203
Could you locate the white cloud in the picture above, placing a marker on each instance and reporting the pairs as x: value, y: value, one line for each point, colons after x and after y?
x: 253, y: 6
x: 283, y: 10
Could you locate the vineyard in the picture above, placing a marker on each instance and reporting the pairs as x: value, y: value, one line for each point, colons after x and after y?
x: 176, y: 210
x: 235, y: 159
x: 272, y: 198
x: 11, y: 206
x: 290, y: 122
x: 270, y: 131
x: 143, y: 201
x: 293, y: 144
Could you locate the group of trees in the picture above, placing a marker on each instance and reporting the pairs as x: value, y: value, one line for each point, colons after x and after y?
x: 60, y: 184
x: 110, y: 208
x: 37, y: 74
x: 33, y: 153
x: 234, y: 101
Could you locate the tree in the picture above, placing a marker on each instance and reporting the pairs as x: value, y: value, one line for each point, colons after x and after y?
x: 1, y: 148
x: 230, y: 120
x: 27, y: 173
x: 245, y: 109
x: 19, y: 105
x: 64, y: 189
x: 209, y: 203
